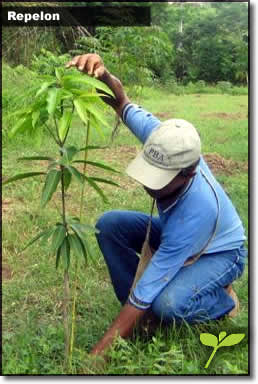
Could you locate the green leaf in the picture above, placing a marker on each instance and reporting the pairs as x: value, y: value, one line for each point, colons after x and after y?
x: 58, y: 253
x: 64, y: 124
x: 73, y: 219
x: 84, y: 227
x: 67, y: 178
x: 69, y: 152
x: 208, y: 339
x: 90, y: 97
x: 66, y: 95
x: 52, y: 100
x: 22, y: 125
x: 58, y: 237
x: 78, y: 175
x: 77, y: 246
x: 77, y: 231
x: 99, y: 165
x: 22, y: 176
x: 97, y: 114
x: 86, y: 245
x: 36, y: 158
x: 222, y: 335
x: 89, y: 147
x: 100, y: 180
x: 35, y: 116
x: 85, y: 79
x: 65, y: 252
x: 81, y: 110
x: 232, y: 339
x: 97, y: 189
x: 45, y: 237
x: 96, y: 125
x: 82, y: 237
x: 46, y: 232
x: 58, y: 73
x: 44, y: 87
x: 51, y: 183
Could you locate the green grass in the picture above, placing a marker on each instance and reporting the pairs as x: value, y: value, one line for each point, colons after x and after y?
x: 32, y: 297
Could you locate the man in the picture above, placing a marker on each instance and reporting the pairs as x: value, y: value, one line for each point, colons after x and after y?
x: 197, y: 238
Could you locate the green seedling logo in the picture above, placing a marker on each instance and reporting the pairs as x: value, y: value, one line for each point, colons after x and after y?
x: 212, y: 341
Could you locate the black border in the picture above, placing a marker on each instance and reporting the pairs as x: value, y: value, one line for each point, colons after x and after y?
x: 251, y: 250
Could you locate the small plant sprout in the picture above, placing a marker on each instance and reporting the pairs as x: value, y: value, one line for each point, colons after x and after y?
x: 56, y: 101
x: 223, y: 341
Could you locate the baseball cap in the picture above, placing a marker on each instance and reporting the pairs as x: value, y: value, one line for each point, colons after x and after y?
x: 174, y: 145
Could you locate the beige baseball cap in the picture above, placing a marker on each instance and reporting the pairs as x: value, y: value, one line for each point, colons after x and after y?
x: 170, y: 148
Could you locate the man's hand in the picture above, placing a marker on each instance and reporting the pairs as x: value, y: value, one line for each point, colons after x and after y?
x: 122, y: 326
x: 93, y: 65
x: 90, y: 63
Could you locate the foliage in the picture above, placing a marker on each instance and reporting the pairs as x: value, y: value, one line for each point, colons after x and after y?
x: 46, y: 62
x: 134, y: 54
x: 210, y: 39
x: 18, y: 91
x: 54, y: 104
x: 186, y: 41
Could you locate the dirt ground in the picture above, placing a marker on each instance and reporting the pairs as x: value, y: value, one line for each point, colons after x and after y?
x: 225, y: 116
x: 219, y: 164
x: 6, y: 272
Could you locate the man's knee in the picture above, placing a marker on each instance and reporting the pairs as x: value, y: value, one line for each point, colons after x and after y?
x: 171, y: 306
x: 108, y: 222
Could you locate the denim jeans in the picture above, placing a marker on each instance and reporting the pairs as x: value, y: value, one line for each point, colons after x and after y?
x: 195, y: 294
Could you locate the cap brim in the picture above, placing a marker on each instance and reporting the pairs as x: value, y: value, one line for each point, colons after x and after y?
x: 151, y: 177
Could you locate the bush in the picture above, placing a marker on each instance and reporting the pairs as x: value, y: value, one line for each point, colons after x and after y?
x: 201, y: 84
x: 17, y: 82
x: 46, y: 62
x: 224, y: 86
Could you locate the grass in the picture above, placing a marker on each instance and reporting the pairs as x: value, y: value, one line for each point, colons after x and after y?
x: 32, y: 297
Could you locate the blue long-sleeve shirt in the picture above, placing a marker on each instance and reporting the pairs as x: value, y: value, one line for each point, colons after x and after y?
x: 188, y: 224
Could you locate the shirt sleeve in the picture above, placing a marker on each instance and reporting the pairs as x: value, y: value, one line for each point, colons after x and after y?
x: 140, y: 122
x: 182, y: 237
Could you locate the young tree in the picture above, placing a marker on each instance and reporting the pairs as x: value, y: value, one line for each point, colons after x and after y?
x: 54, y: 105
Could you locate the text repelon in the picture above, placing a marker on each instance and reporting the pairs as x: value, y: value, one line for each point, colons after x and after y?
x: 26, y: 17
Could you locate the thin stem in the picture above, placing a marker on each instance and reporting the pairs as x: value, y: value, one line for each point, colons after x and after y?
x: 51, y: 133
x: 63, y: 195
x: 62, y: 107
x: 66, y: 319
x: 69, y: 127
x: 85, y: 165
x: 66, y: 281
x: 76, y: 261
x: 58, y: 138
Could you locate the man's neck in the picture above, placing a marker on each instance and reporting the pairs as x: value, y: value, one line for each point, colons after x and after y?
x: 168, y: 200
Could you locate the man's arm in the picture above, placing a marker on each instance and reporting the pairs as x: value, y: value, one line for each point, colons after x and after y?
x: 94, y: 66
x: 122, y: 326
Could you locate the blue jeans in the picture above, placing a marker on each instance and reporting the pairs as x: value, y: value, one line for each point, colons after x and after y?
x: 195, y: 294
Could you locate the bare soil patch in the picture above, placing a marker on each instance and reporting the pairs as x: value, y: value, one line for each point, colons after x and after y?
x: 6, y: 272
x: 219, y: 164
x: 226, y: 116
x: 165, y: 115
x: 6, y: 204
